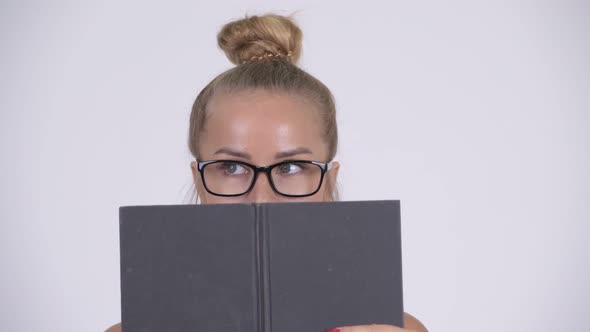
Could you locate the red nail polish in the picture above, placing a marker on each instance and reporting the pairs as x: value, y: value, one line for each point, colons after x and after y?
x: 334, y: 330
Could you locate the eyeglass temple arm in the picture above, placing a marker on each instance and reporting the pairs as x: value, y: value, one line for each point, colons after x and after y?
x: 329, y: 165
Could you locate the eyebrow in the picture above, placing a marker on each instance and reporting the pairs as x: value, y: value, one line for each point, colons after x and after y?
x: 233, y: 153
x: 291, y: 153
x: 278, y: 155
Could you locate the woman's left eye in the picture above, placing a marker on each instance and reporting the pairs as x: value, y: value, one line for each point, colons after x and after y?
x: 290, y: 168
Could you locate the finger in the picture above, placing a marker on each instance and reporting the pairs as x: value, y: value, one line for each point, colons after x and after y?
x: 369, y: 328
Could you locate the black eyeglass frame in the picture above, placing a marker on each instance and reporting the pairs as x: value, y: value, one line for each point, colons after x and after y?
x: 325, y: 167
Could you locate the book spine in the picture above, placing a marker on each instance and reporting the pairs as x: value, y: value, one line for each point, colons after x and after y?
x: 263, y: 269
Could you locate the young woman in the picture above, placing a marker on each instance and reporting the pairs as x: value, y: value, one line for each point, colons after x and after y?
x: 265, y: 130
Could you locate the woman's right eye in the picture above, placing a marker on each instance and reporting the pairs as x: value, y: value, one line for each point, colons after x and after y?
x: 233, y: 168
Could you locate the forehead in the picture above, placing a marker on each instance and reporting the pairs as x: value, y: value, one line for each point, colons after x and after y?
x: 261, y: 123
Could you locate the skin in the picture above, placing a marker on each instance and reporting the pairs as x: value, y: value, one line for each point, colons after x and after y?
x: 262, y: 128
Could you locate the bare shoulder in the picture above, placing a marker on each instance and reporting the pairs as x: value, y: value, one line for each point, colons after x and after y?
x: 410, y: 322
x: 114, y: 328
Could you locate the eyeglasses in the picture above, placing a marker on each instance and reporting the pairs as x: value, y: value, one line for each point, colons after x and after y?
x: 291, y: 178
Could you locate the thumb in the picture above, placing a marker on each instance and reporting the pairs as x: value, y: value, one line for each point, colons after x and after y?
x: 369, y: 328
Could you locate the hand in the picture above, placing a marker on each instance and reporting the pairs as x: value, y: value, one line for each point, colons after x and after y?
x: 372, y: 328
x: 410, y: 322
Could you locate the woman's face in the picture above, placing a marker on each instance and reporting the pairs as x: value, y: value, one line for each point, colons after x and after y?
x: 262, y: 128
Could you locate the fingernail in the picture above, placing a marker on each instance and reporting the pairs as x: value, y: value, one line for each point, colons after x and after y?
x: 334, y: 330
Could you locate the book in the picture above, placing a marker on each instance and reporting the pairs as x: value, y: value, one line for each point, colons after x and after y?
x: 282, y: 267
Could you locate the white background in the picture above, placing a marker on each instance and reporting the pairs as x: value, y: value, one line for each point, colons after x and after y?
x: 475, y: 115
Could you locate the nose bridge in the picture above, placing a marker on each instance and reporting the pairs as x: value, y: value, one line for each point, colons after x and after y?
x: 262, y: 190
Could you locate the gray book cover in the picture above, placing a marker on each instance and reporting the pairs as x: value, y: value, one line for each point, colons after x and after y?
x: 283, y: 267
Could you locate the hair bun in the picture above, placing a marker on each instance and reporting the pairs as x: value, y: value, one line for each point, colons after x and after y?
x: 261, y: 36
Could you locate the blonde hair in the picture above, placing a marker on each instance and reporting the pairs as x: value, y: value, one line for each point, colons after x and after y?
x: 265, y: 50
